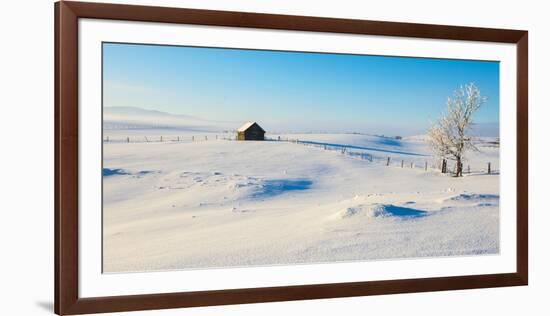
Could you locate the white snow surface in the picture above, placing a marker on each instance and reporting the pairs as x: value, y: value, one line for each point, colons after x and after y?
x: 245, y: 126
x: 220, y: 203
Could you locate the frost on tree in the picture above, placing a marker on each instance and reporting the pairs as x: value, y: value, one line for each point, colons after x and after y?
x: 450, y: 136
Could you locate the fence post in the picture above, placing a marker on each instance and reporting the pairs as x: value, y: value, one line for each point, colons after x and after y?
x: 107, y: 138
x: 193, y: 138
x: 489, y: 168
x: 161, y: 139
x: 388, y: 162
x: 426, y: 166
x: 402, y: 162
x: 411, y: 165
x: 468, y: 169
x: 127, y: 139
x: 178, y: 138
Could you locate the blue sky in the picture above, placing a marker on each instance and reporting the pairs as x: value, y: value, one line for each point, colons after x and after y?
x: 294, y: 91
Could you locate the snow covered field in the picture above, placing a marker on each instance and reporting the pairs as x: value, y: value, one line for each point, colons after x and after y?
x: 220, y: 203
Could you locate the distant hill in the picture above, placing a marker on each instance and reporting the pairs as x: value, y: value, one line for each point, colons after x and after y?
x: 134, y: 118
x: 123, y: 118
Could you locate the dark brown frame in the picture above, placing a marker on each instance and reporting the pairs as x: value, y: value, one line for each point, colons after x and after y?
x: 67, y: 301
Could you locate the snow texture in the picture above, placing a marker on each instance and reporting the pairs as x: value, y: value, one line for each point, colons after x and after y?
x: 245, y: 126
x: 222, y: 203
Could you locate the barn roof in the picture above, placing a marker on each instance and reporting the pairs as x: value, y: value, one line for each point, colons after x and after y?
x: 246, y: 126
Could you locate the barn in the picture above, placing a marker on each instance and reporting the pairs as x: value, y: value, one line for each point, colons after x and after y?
x: 250, y: 131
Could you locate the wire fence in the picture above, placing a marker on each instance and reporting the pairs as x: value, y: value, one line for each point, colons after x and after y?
x: 162, y: 139
x: 425, y: 163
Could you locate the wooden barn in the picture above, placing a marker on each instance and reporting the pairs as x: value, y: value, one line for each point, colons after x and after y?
x: 250, y: 131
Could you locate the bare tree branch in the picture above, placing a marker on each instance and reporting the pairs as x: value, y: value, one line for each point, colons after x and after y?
x: 450, y: 136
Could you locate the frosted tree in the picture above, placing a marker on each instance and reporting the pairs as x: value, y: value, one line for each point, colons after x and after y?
x: 450, y: 135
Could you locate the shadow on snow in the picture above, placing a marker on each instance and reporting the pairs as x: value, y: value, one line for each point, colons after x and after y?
x: 272, y: 188
x: 121, y: 172
x: 114, y: 172
x: 361, y: 147
x: 404, y: 212
x: 386, y: 141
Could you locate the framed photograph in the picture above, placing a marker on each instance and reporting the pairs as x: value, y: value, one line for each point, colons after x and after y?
x: 212, y: 157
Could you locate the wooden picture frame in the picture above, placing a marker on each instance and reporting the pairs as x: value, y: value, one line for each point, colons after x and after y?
x: 67, y: 14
